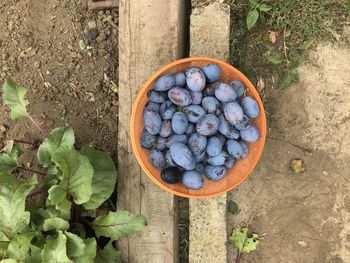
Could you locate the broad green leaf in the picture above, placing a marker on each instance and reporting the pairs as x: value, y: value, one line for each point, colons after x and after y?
x: 275, y: 59
x: 3, y: 237
x: 76, y: 177
x: 19, y: 245
x: 108, y: 255
x: 55, y: 223
x: 90, y: 252
x: 34, y: 255
x: 14, y: 97
x: 238, y: 237
x: 54, y: 250
x: 251, y: 244
x: 104, y: 178
x: 118, y: 224
x: 3, y: 248
x: 75, y: 245
x: 58, y: 137
x: 241, y: 241
x: 264, y: 7
x: 253, y: 2
x: 306, y: 44
x: 288, y: 78
x: 233, y: 207
x: 9, y: 260
x: 7, y: 163
x: 50, y: 216
x: 78, y: 229
x: 13, y: 149
x: 252, y: 17
x: 13, y: 193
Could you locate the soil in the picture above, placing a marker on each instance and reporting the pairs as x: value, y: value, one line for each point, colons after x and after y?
x: 39, y: 48
x: 304, y: 217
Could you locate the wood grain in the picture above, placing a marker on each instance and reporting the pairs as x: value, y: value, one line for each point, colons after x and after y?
x: 150, y: 36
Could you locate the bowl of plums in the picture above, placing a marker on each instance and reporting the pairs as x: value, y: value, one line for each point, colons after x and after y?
x: 198, y: 127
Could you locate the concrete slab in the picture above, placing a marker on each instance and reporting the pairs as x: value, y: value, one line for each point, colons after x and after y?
x: 303, y: 218
x: 209, y: 36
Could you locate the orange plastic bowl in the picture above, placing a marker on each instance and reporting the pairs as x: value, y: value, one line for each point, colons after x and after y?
x: 234, y: 176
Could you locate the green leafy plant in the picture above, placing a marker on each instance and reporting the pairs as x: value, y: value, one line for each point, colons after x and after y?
x: 256, y: 8
x: 77, y: 183
x: 244, y: 244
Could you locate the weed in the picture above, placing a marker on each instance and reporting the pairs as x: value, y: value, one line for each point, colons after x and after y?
x: 294, y: 27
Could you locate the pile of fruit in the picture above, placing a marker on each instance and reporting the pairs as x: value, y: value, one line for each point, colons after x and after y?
x: 194, y: 125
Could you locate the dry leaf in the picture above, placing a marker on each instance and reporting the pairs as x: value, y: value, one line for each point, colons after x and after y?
x: 261, y: 84
x: 273, y: 37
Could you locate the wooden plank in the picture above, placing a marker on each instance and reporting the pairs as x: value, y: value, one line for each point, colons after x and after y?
x: 208, y: 217
x: 150, y: 36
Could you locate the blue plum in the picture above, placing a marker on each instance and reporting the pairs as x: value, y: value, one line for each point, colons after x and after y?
x: 161, y: 143
x: 164, y: 82
x: 179, y: 123
x: 210, y: 104
x: 233, y: 112
x: 225, y: 93
x: 194, y: 113
x: 192, y: 180
x: 209, y: 90
x: 219, y: 159
x: 180, y: 79
x: 171, y: 175
x: 245, y: 149
x: 243, y: 124
x: 227, y: 128
x: 235, y: 149
x: 200, y: 168
x: 207, y: 125
x: 212, y: 72
x: 214, y: 173
x: 152, y: 122
x: 169, y: 162
x: 251, y: 134
x: 167, y: 110
x: 250, y: 107
x: 157, y: 159
x: 152, y: 106
x: 195, y: 79
x: 176, y: 138
x: 182, y: 155
x: 180, y: 96
x: 197, y: 143
x: 155, y: 96
x: 197, y: 97
x: 191, y: 129
x: 238, y: 86
x: 221, y: 137
x: 201, y: 157
x: 165, y: 130
x: 148, y: 140
x: 214, y: 146
x: 230, y: 162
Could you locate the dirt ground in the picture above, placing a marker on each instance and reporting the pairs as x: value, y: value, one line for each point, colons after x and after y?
x: 303, y: 218
x: 39, y: 48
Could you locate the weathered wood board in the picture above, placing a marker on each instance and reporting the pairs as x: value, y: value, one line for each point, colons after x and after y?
x: 150, y: 36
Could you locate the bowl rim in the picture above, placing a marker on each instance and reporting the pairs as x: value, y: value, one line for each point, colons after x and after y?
x: 133, y: 135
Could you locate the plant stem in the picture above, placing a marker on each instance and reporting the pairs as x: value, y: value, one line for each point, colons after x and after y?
x: 238, y: 258
x: 37, y: 126
x: 30, y: 170
x: 284, y: 44
x: 24, y: 142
